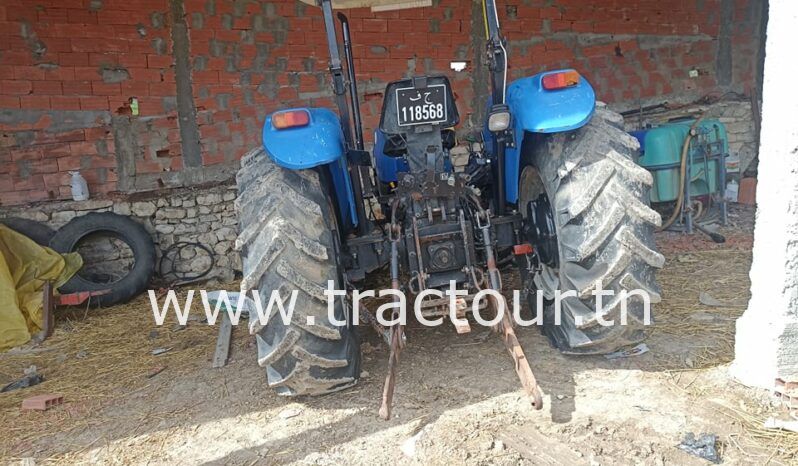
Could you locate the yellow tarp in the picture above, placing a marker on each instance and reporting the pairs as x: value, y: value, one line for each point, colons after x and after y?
x: 24, y: 268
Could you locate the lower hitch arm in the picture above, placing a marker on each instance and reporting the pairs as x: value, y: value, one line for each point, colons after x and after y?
x: 505, y: 326
x: 397, y: 340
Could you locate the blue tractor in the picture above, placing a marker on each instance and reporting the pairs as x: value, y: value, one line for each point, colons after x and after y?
x: 549, y: 185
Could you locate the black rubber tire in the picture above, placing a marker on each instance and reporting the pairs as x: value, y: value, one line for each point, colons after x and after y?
x: 37, y: 231
x: 126, y: 229
x: 289, y: 241
x: 605, y: 231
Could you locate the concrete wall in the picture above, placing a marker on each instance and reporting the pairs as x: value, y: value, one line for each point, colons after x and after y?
x: 766, y: 343
x: 205, y: 73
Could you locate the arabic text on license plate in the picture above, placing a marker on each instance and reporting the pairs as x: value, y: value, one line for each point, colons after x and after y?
x: 421, y: 106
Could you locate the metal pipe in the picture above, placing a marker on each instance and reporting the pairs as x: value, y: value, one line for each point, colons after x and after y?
x: 493, y: 271
x: 501, y: 196
x: 724, y: 213
x: 339, y: 89
x: 353, y: 95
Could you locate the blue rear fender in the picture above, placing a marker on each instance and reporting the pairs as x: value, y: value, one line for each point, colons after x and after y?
x: 320, y: 142
x: 537, y: 110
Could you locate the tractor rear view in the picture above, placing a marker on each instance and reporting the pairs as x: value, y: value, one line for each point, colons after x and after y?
x: 550, y: 185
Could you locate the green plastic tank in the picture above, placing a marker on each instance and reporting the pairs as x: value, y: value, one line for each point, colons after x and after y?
x: 661, y: 150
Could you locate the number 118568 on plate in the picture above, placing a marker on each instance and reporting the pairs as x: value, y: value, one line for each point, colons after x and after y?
x: 421, y: 106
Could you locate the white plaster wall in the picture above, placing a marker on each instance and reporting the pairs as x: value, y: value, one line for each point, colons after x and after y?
x: 767, y: 334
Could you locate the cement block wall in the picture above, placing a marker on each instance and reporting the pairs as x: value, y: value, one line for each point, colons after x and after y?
x: 206, y: 72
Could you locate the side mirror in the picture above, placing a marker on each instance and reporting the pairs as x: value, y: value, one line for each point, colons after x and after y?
x: 499, y: 118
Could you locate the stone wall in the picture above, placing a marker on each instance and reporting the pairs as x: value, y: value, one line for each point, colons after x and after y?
x: 743, y: 140
x: 205, y: 216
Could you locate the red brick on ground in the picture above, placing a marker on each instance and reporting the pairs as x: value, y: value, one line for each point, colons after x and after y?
x: 42, y: 402
x: 747, y: 194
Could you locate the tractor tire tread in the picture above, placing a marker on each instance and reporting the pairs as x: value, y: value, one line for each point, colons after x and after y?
x: 599, y: 196
x: 286, y: 240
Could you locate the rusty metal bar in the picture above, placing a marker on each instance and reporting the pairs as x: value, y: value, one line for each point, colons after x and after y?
x: 397, y: 331
x: 522, y: 368
x: 422, y: 285
x: 74, y: 299
x: 505, y: 327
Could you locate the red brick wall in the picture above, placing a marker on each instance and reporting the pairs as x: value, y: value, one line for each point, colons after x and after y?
x: 68, y: 67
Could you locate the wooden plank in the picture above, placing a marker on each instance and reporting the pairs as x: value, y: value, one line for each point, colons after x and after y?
x: 538, y: 448
x: 223, y: 342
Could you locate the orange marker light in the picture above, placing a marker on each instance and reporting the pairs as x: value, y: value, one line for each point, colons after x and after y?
x: 560, y: 80
x: 290, y: 119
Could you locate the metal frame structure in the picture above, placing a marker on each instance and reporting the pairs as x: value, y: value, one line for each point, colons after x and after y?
x: 345, y: 80
x: 429, y: 205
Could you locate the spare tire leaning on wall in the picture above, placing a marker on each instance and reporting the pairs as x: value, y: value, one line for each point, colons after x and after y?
x: 125, y: 229
x: 37, y: 231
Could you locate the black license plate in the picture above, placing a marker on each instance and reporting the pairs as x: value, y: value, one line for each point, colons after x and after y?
x: 421, y: 106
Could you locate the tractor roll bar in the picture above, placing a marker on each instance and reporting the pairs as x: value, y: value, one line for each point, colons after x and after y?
x: 350, y: 67
x: 337, y: 71
x: 497, y: 64
x: 339, y: 89
x: 497, y: 53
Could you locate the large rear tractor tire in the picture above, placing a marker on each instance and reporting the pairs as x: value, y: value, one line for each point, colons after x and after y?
x: 598, y: 201
x: 289, y: 241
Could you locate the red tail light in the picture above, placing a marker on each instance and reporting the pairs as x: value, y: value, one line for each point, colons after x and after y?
x: 560, y: 80
x: 290, y: 119
x: 523, y: 249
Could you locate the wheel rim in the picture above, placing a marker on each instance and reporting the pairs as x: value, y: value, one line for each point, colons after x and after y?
x: 531, y: 187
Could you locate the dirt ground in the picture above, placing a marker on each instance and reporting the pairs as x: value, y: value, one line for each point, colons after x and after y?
x: 457, y: 401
